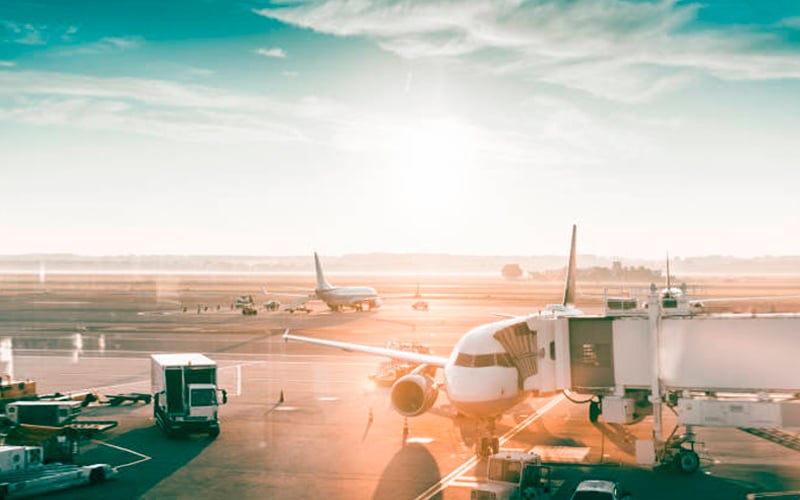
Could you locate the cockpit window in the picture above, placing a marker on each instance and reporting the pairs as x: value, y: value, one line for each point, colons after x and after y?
x: 484, y: 360
x: 503, y: 359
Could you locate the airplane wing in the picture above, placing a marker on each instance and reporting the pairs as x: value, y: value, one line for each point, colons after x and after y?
x: 413, y: 357
x: 299, y: 302
x: 307, y: 296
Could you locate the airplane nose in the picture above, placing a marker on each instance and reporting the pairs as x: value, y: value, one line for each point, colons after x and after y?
x: 481, y: 384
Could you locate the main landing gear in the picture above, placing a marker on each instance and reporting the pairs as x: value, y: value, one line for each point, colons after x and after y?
x: 595, y: 410
x: 679, y: 451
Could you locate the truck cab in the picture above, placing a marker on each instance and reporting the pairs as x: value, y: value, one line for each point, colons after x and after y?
x: 514, y: 475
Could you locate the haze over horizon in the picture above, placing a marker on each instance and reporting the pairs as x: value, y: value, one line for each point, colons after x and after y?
x: 469, y: 128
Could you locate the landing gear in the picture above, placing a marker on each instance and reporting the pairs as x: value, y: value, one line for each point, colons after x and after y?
x: 595, y: 409
x: 680, y: 451
x: 687, y: 461
x: 487, y: 445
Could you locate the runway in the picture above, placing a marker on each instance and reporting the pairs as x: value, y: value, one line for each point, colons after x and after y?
x: 335, y: 434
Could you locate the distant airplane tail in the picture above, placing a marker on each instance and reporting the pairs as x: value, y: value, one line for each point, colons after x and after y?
x: 569, y: 286
x: 322, y: 283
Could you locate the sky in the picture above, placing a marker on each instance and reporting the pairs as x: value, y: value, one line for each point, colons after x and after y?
x: 353, y: 126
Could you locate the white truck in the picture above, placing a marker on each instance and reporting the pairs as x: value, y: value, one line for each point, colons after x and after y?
x: 23, y: 473
x: 514, y: 475
x: 185, y: 393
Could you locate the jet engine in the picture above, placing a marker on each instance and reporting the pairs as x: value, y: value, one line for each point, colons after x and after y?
x: 414, y: 394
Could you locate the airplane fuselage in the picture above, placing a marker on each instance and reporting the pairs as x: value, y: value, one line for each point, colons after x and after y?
x: 349, y: 296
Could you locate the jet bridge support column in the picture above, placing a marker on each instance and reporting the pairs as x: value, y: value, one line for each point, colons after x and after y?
x: 654, y: 312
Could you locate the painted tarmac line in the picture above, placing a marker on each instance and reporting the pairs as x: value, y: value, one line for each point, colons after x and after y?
x: 457, y: 474
x: 143, y: 457
x: 774, y: 494
x: 83, y: 392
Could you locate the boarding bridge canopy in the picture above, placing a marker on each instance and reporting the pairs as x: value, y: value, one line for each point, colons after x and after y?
x: 520, y: 343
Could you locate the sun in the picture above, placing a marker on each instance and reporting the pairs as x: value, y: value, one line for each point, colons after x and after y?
x: 434, y: 163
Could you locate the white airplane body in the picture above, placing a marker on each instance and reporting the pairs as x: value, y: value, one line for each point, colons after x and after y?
x: 349, y: 296
x: 336, y: 297
x: 481, y: 378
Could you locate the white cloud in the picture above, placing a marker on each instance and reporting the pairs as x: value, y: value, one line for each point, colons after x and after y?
x: 104, y: 45
x: 7, y: 64
x: 273, y: 52
x: 149, y: 107
x: 205, y: 72
x: 611, y: 48
x: 67, y: 36
x: 790, y: 22
x: 540, y: 132
x: 23, y: 34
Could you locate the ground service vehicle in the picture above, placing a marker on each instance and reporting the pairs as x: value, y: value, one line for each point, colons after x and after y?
x: 185, y: 393
x: 22, y: 473
x: 49, y: 413
x: 514, y: 475
x: 599, y: 489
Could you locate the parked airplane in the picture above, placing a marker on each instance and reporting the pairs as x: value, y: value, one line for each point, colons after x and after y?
x: 485, y: 374
x: 337, y: 297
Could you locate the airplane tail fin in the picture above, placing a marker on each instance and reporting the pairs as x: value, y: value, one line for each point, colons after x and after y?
x: 322, y: 283
x: 569, y: 286
x: 669, y: 278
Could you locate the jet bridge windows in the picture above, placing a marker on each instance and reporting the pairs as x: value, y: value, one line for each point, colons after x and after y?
x: 591, y: 353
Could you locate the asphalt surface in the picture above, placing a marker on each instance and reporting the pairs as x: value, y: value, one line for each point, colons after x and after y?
x: 335, y: 434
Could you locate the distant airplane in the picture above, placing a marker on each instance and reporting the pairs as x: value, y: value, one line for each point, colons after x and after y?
x: 337, y: 297
x: 483, y: 376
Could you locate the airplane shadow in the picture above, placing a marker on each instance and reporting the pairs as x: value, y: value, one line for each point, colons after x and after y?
x: 536, y: 433
x: 168, y: 455
x: 409, y: 473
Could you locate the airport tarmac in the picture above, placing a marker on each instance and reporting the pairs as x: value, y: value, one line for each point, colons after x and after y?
x: 335, y: 434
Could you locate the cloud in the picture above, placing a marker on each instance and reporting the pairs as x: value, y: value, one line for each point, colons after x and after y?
x: 200, y: 126
x: 611, y: 48
x: 150, y: 107
x: 539, y: 132
x: 205, y: 72
x: 104, y: 46
x: 273, y: 52
x: 789, y: 22
x: 67, y: 36
x: 21, y: 33
x: 7, y: 64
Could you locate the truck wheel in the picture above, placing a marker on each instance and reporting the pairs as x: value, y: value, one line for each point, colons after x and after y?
x: 98, y: 475
x: 213, y: 433
x: 594, y: 411
x: 688, y: 461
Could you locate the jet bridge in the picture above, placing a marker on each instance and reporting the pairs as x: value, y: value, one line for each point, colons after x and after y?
x: 715, y: 370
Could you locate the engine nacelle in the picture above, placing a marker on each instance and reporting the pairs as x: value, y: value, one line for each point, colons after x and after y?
x: 414, y: 394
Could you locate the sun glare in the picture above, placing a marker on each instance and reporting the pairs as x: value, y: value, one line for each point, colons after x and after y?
x: 433, y: 163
